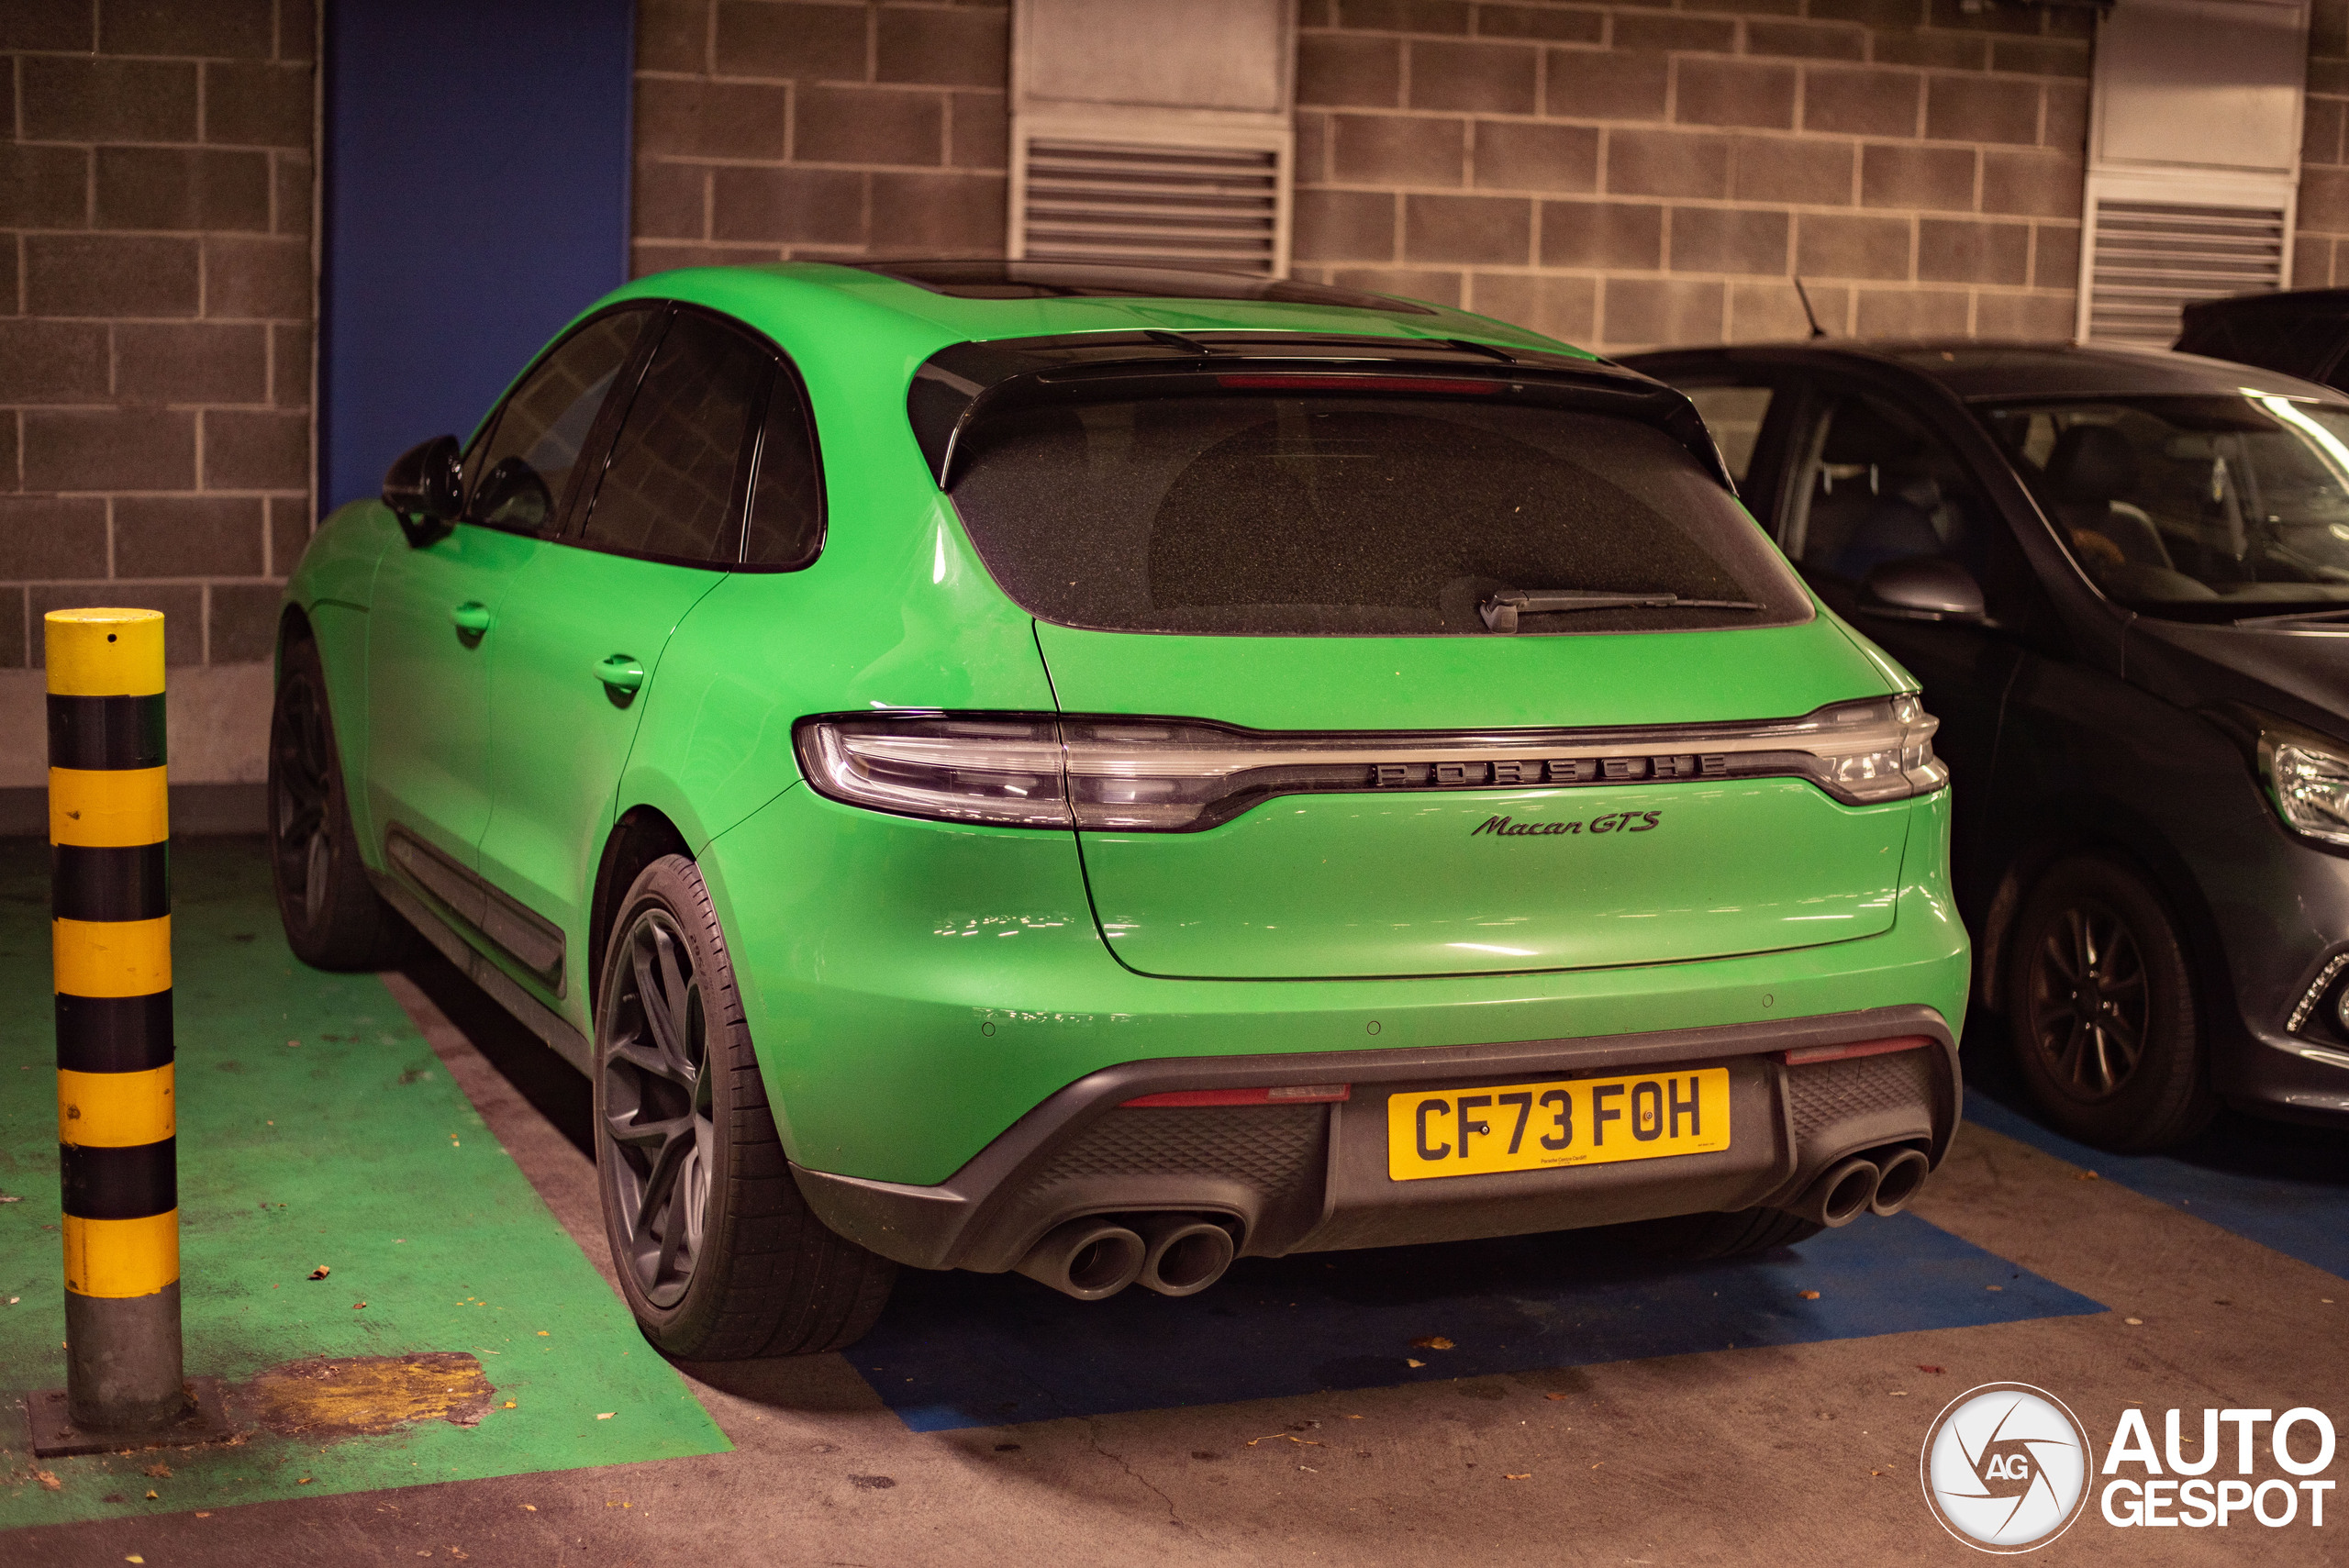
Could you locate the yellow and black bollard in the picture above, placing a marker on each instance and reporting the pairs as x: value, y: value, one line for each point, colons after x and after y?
x: 111, y: 943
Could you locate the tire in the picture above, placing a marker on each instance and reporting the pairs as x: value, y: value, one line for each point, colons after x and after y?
x: 1693, y: 1238
x: 719, y: 1254
x: 2101, y: 1008
x: 333, y: 916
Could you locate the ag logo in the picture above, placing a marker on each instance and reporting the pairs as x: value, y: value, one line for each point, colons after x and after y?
x: 2006, y: 1467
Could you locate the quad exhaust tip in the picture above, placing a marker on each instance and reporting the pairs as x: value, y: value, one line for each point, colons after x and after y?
x: 1185, y: 1253
x: 1880, y: 1182
x: 1174, y: 1254
x: 1088, y: 1258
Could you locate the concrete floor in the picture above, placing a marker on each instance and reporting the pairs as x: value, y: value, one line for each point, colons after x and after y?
x: 1779, y: 1453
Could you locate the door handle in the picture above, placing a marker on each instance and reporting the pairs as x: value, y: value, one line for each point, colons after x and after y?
x: 473, y: 617
x: 622, y: 673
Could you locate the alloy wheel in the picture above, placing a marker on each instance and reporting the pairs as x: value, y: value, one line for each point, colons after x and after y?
x: 304, y: 838
x: 2090, y: 1000
x: 657, y: 1118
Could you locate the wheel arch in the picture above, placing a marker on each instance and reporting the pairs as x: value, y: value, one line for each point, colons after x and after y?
x: 2090, y: 824
x: 642, y: 835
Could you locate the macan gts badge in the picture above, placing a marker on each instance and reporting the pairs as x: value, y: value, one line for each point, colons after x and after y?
x: 1071, y: 806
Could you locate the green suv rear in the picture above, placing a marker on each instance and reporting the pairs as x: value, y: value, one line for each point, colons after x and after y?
x: 1098, y: 772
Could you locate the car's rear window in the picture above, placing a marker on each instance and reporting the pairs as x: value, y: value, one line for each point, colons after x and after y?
x: 1366, y: 516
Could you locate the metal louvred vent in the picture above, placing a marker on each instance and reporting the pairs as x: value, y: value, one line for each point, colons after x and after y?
x: 2152, y: 259
x: 1104, y: 200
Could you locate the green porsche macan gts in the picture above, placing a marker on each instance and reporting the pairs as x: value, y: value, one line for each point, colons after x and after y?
x: 1099, y: 770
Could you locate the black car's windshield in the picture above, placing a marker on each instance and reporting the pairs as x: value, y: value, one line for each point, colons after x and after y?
x: 1360, y: 516
x: 2200, y: 508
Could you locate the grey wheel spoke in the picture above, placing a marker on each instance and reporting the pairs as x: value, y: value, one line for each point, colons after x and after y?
x: 660, y: 1182
x: 645, y: 1059
x: 626, y: 1131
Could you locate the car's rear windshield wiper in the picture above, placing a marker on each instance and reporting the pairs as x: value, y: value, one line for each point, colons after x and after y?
x: 1500, y: 610
x: 2296, y: 616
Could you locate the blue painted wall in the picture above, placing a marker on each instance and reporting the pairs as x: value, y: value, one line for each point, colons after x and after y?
x: 476, y: 182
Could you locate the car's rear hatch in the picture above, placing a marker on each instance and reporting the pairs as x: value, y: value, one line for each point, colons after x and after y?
x: 1419, y: 744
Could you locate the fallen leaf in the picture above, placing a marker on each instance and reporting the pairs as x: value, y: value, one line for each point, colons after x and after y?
x: 151, y: 1492
x: 509, y: 1404
x: 2086, y: 1176
x: 1807, y: 1294
x: 457, y: 1554
x: 1353, y: 1417
x: 1595, y: 1466
x: 1934, y: 1370
x: 1432, y: 1342
x: 10, y: 1197
x: 607, y: 1414
x: 542, y: 1333
x: 1528, y: 1475
x: 1557, y: 1397
x: 530, y: 1507
x: 133, y: 1557
x: 304, y: 1482
x: 48, y: 1480
x: 2140, y: 1321
x: 1899, y: 1394
x: 161, y: 1471
x: 357, y: 1306
x: 1408, y: 1361
x: 1993, y: 1288
x: 320, y: 1272
x: 204, y: 1513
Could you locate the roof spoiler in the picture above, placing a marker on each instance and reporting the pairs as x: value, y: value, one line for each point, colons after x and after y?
x: 959, y: 387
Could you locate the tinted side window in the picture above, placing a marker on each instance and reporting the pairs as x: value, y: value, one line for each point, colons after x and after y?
x: 671, y: 488
x: 522, y: 474
x: 786, y: 522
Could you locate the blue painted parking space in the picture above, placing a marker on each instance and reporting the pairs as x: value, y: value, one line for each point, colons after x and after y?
x: 2282, y: 1186
x: 960, y: 1349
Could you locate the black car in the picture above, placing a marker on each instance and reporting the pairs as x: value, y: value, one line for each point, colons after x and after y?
x: 2304, y: 332
x: 2123, y: 579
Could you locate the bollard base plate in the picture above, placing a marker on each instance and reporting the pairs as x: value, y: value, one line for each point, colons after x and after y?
x: 56, y: 1437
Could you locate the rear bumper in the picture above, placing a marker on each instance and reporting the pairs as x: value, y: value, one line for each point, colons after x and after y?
x: 1313, y: 1177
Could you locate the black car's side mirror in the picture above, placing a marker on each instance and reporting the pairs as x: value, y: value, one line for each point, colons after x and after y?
x: 423, y: 490
x: 1922, y: 587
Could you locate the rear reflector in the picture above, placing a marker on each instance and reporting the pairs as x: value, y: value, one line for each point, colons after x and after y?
x: 1286, y: 1094
x: 1263, y: 381
x: 1804, y: 1055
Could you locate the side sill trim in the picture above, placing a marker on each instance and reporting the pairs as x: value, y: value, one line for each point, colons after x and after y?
x: 527, y: 1010
x: 521, y: 933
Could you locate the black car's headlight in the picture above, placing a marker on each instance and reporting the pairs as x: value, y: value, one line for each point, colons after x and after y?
x: 2307, y: 776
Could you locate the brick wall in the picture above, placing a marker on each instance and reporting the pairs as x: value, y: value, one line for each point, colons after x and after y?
x: 155, y: 194
x: 1624, y: 175
x: 2323, y: 217
x: 768, y: 129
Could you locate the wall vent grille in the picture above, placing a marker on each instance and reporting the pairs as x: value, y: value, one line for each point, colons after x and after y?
x: 1219, y: 207
x: 2152, y: 259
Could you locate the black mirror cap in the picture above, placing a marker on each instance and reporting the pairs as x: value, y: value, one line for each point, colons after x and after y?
x: 1922, y: 587
x: 423, y: 489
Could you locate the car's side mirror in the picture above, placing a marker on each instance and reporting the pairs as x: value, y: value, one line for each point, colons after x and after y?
x: 424, y: 490
x: 1922, y: 587
x: 512, y: 496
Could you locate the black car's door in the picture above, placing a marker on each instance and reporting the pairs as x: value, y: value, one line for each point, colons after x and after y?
x: 1865, y: 477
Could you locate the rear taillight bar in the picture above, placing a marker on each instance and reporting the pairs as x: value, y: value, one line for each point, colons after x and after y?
x: 1179, y: 775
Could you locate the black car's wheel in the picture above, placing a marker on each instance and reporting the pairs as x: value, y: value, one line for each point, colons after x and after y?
x: 1694, y: 1237
x: 2102, y: 1007
x: 719, y: 1256
x: 333, y: 916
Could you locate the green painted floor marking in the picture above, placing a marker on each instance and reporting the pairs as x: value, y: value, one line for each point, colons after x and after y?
x: 354, y: 1150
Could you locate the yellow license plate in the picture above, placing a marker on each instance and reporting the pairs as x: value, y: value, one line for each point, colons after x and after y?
x: 1533, y: 1126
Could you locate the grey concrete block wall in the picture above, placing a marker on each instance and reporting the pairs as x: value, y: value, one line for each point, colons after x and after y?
x: 155, y: 314
x: 1644, y: 176
x: 2321, y: 236
x: 774, y: 129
